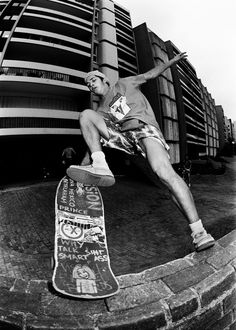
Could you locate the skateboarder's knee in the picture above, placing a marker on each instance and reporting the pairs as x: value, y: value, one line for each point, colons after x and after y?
x: 87, y: 116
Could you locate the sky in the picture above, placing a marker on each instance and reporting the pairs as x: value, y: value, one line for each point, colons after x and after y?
x: 206, y: 30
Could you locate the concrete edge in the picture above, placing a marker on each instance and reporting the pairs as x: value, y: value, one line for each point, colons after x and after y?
x: 199, y: 289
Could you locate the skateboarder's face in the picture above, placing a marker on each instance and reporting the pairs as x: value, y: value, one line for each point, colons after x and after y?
x: 97, y: 86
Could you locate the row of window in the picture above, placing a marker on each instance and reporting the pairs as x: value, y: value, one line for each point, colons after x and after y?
x: 41, y: 74
x: 212, y: 142
x: 211, y: 121
x: 193, y: 111
x: 33, y: 102
x: 31, y: 11
x: 67, y: 6
x: 52, y: 40
x: 78, y: 3
x: 196, y: 131
x: 124, y: 14
x: 25, y: 122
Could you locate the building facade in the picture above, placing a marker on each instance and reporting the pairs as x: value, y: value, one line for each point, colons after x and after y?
x: 227, y: 134
x: 189, y: 104
x: 184, y: 108
x: 234, y: 130
x: 221, y: 127
x: 46, y: 48
x: 228, y: 129
x: 151, y: 51
x: 211, y: 126
x: 43, y: 64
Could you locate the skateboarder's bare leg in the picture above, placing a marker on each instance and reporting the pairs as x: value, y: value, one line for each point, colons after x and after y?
x: 160, y: 164
x: 159, y: 161
x: 93, y: 127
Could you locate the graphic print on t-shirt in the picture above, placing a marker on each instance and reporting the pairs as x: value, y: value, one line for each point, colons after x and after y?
x: 118, y: 106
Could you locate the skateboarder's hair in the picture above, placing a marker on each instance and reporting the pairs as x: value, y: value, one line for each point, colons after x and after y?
x: 99, y: 74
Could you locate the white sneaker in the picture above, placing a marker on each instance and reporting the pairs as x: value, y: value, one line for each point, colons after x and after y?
x: 98, y: 176
x: 202, y: 241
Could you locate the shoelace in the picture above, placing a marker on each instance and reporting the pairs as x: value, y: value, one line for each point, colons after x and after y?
x: 198, y: 235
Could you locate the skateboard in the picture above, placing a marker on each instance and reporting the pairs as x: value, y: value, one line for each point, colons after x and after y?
x: 81, y: 260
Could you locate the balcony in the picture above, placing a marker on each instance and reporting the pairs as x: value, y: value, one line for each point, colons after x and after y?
x: 39, y: 81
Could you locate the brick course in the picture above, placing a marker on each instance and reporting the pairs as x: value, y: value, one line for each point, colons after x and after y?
x: 216, y: 285
x: 188, y: 277
x: 182, y: 304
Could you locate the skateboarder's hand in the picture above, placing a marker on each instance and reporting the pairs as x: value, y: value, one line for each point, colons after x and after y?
x: 181, y: 56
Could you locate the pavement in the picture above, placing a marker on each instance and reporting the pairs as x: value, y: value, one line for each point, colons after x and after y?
x: 144, y: 228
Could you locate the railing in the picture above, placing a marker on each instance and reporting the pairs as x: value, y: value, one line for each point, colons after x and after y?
x: 40, y: 74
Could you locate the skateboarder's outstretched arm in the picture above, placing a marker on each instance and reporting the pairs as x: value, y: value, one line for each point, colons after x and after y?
x: 156, y: 71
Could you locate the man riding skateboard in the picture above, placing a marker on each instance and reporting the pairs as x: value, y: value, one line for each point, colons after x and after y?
x: 125, y: 120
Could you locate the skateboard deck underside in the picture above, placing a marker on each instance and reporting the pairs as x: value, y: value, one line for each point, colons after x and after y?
x: 82, y: 264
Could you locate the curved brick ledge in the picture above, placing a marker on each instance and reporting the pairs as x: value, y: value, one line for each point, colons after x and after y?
x: 195, y: 292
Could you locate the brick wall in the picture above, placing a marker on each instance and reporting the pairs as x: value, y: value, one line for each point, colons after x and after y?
x: 195, y: 292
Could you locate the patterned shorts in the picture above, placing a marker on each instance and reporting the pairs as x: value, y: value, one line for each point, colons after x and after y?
x: 128, y: 141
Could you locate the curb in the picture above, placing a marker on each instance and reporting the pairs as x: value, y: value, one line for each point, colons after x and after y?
x: 195, y: 292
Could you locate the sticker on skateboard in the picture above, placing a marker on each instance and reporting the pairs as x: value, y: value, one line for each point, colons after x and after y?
x: 81, y: 260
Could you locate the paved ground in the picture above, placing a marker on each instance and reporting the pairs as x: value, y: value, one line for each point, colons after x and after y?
x: 144, y: 229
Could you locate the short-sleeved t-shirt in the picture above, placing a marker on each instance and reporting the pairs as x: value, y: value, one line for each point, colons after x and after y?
x: 125, y: 101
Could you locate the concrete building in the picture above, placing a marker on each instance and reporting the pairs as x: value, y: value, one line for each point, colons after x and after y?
x: 221, y: 127
x: 211, y: 126
x: 234, y: 130
x: 189, y: 104
x: 151, y: 51
x: 177, y: 99
x: 226, y: 133
x: 228, y: 129
x: 46, y: 48
x: 229, y: 149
